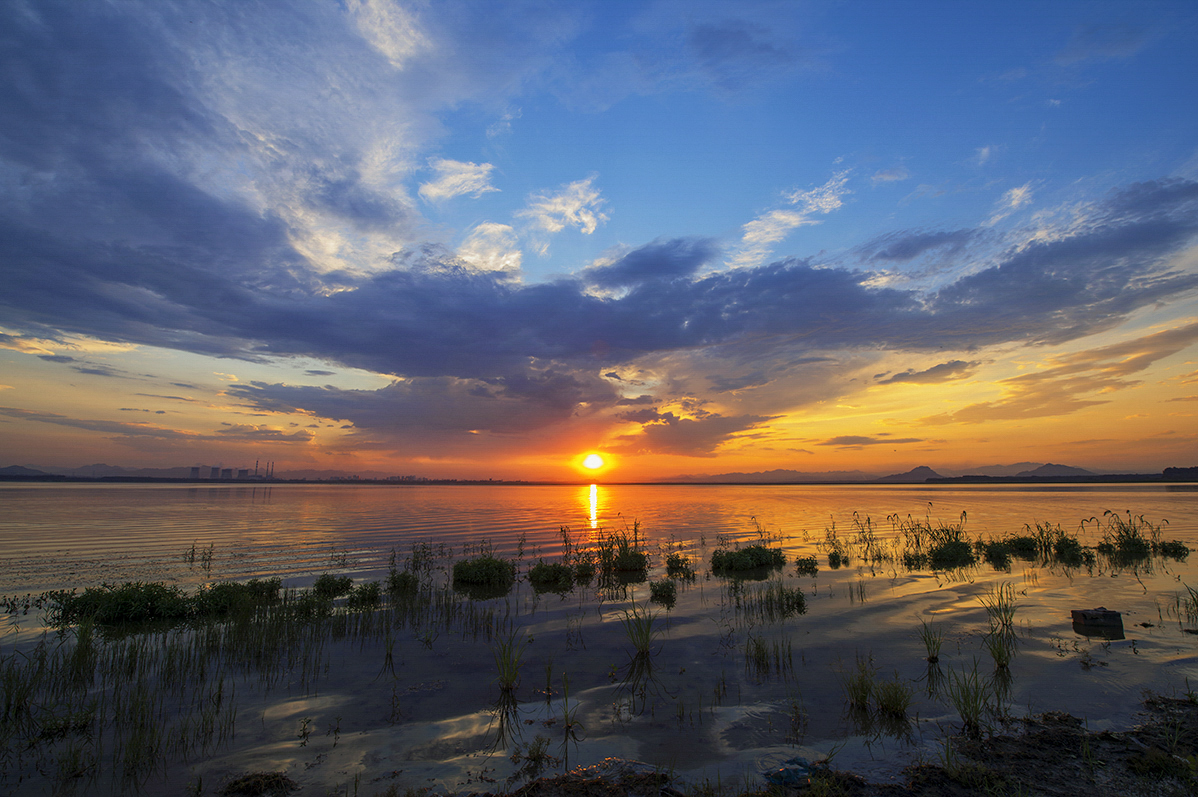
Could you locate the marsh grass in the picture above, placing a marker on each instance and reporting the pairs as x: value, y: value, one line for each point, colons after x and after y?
x: 999, y: 602
x: 932, y: 637
x: 1129, y: 539
x: 858, y: 683
x: 638, y: 627
x: 764, y: 658
x: 892, y: 697
x: 806, y: 565
x: 680, y: 567
x: 664, y: 592
x: 751, y: 557
x: 483, y: 577
x: 971, y: 695
x: 551, y: 577
x: 508, y: 652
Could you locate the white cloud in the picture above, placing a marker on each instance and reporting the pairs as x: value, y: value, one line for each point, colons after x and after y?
x: 390, y: 28
x: 577, y: 204
x: 774, y: 225
x: 982, y: 154
x: 503, y: 126
x: 1011, y: 201
x: 492, y: 247
x: 890, y: 175
x: 457, y: 178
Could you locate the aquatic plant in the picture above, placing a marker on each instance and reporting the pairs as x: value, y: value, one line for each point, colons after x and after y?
x: 999, y: 602
x: 551, y: 577
x: 621, y: 552
x: 664, y: 592
x: 748, y: 558
x: 859, y: 683
x: 508, y: 652
x: 365, y: 596
x: 806, y: 565
x: 638, y: 627
x: 892, y: 697
x: 932, y: 637
x: 679, y: 566
x: 328, y: 586
x: 970, y: 695
x: 484, y: 576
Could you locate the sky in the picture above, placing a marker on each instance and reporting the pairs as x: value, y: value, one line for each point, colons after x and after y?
x: 483, y: 240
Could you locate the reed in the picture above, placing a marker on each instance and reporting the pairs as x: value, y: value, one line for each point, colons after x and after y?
x: 638, y: 627
x: 999, y: 602
x: 892, y: 697
x: 932, y: 637
x: 970, y: 695
x: 859, y: 683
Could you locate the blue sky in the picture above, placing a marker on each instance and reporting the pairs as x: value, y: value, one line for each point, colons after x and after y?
x: 468, y: 239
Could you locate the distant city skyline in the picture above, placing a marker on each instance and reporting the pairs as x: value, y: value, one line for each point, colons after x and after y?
x: 488, y: 240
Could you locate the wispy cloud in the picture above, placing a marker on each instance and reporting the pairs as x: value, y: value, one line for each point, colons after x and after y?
x: 895, y: 175
x: 1011, y: 201
x: 576, y: 204
x: 761, y: 233
x: 457, y: 178
x: 944, y: 372
x: 492, y: 247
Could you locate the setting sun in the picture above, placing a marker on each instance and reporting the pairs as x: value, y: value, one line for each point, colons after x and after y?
x: 593, y: 462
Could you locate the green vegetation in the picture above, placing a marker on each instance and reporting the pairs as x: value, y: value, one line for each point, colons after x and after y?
x: 484, y: 577
x: 752, y: 557
x: 508, y: 652
x: 638, y: 627
x: 664, y: 592
x: 547, y: 577
x: 933, y: 637
x: 859, y: 684
x: 139, y: 602
x: 329, y: 586
x: 679, y: 566
x: 806, y: 565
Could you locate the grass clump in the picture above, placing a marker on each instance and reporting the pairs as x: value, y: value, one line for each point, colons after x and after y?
x: 328, y: 586
x: 751, y: 557
x: 508, y: 652
x: 620, y: 556
x: 365, y: 596
x: 131, y: 602
x: 806, y: 565
x: 664, y: 592
x: 638, y: 627
x: 679, y: 566
x: 892, y: 697
x: 584, y: 567
x: 970, y: 695
x: 547, y: 577
x: 859, y: 684
x: 484, y: 576
x: 933, y: 638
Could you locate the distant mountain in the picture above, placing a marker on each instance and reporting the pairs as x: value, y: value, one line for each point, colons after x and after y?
x: 993, y: 470
x: 914, y: 476
x: 1051, y: 470
x: 778, y: 476
x: 18, y: 470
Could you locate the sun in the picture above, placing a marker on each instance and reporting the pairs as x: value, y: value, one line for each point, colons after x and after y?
x: 592, y: 462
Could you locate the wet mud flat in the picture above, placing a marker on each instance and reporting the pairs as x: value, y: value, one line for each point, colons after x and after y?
x: 1048, y: 754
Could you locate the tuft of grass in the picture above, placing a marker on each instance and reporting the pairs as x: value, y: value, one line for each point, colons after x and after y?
x: 329, y: 586
x: 484, y: 576
x: 638, y: 626
x: 970, y: 695
x: 259, y: 784
x: 806, y: 565
x: 750, y: 557
x: 893, y: 697
x: 547, y: 577
x: 508, y: 652
x: 859, y: 683
x: 1000, y: 606
x: 365, y: 596
x: 664, y: 592
x: 933, y: 638
x: 679, y: 566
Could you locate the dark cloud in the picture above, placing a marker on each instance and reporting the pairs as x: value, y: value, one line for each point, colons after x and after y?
x: 647, y: 415
x: 944, y: 372
x: 736, y: 52
x: 691, y: 437
x: 854, y: 441
x: 904, y: 246
x: 659, y: 260
x: 317, y: 372
x: 56, y: 358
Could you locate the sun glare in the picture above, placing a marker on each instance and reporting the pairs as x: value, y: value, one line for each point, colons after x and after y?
x: 593, y: 462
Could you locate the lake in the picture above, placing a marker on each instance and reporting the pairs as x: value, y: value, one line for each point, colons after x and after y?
x: 735, y: 681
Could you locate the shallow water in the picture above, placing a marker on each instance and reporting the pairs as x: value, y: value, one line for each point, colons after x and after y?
x: 700, y: 708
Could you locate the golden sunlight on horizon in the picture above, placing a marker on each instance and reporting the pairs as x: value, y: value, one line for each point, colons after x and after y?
x: 592, y: 462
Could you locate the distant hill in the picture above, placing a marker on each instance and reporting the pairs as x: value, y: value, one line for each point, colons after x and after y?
x: 993, y: 470
x: 17, y: 470
x: 914, y: 476
x: 778, y: 476
x: 1053, y: 471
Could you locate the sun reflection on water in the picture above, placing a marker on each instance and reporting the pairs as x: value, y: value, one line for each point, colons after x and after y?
x: 594, y: 506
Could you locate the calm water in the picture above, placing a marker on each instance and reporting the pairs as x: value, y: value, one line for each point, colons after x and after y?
x: 701, y: 710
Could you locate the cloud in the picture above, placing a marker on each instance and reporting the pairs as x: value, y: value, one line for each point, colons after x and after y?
x: 897, y: 174
x: 660, y: 260
x: 944, y: 372
x: 457, y: 178
x: 1011, y: 201
x: 390, y: 28
x: 908, y: 245
x: 736, y: 52
x: 130, y: 431
x: 1073, y: 382
x: 691, y: 437
x: 492, y: 247
x: 857, y: 441
x: 1101, y: 42
x: 774, y: 225
x: 576, y: 204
